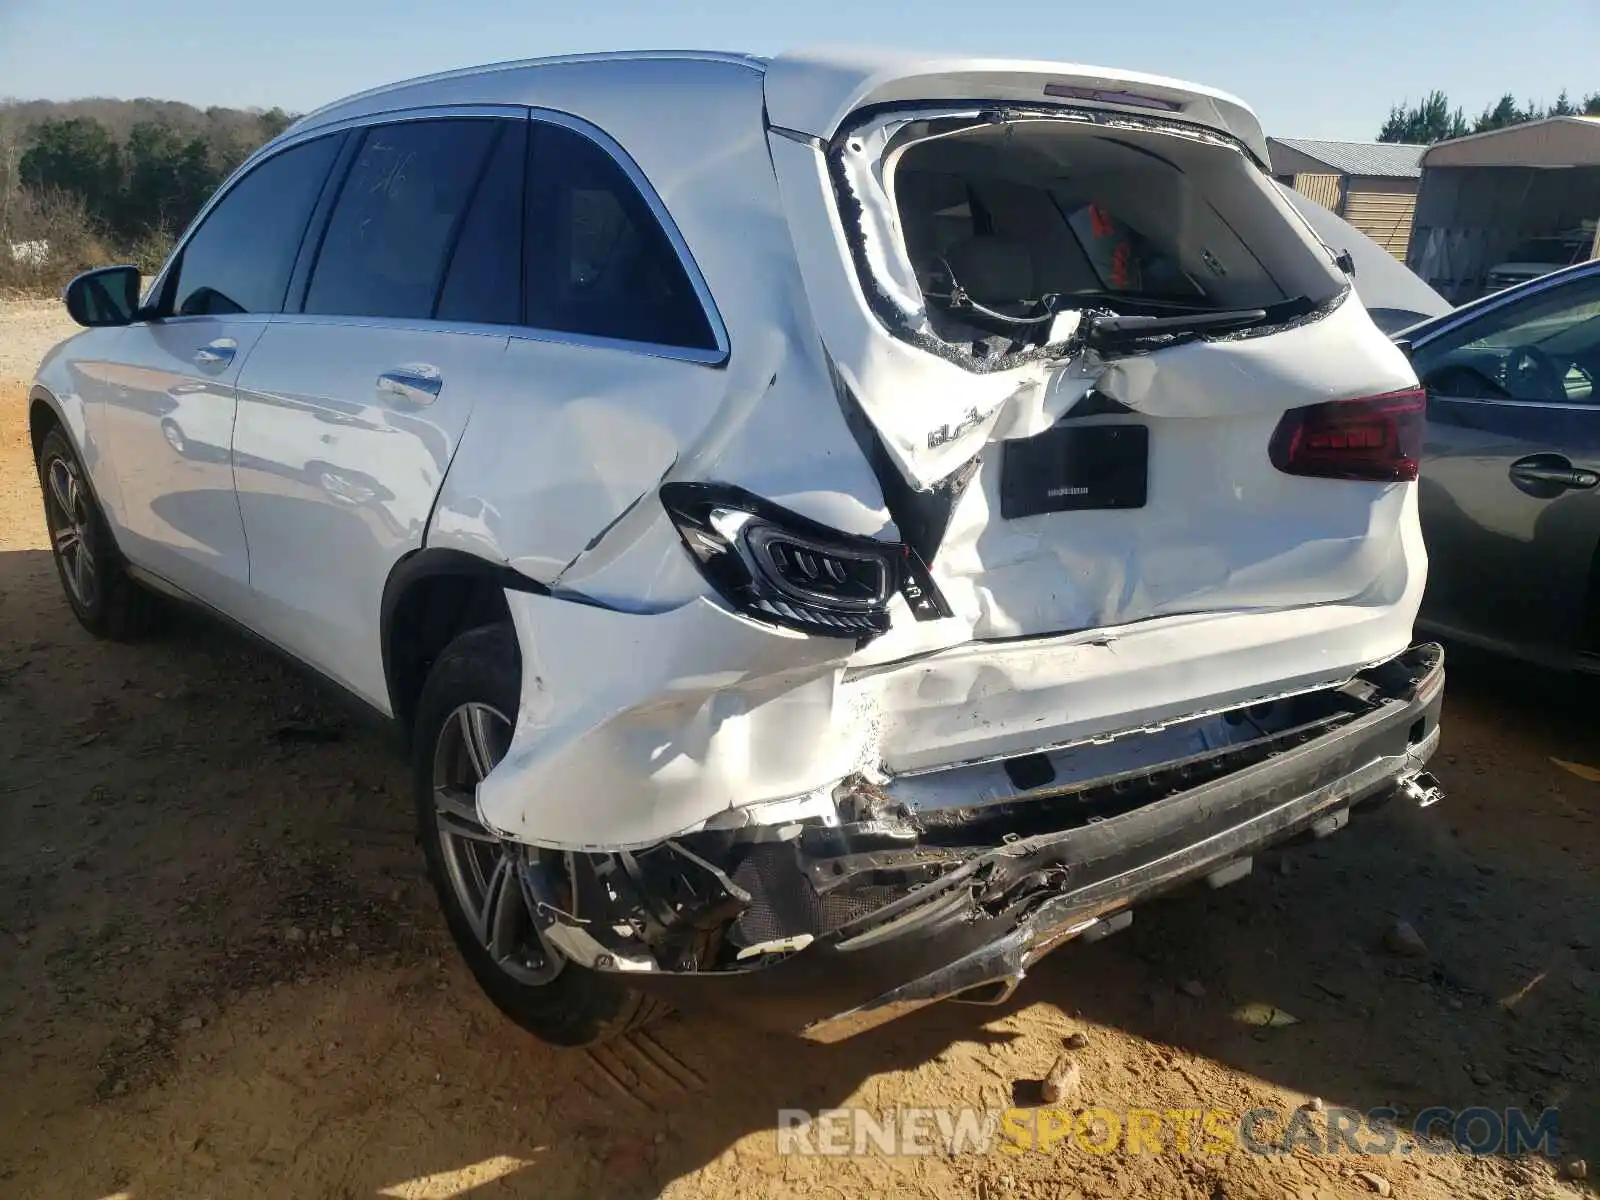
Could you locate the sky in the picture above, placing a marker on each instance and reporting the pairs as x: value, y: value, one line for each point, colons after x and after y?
x: 1321, y: 70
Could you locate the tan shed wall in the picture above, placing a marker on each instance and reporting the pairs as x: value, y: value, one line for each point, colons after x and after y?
x: 1568, y: 143
x: 1382, y: 209
x: 1324, y: 189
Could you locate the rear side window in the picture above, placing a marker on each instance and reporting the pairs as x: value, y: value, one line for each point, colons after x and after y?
x: 397, y: 215
x: 598, y: 260
x: 483, y: 281
x: 239, y: 260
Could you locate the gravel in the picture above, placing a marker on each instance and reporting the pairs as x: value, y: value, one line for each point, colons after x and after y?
x: 31, y: 328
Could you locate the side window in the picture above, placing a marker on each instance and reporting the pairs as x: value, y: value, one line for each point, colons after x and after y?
x: 598, y: 261
x: 383, y: 254
x: 239, y: 260
x: 1541, y: 349
x: 483, y: 281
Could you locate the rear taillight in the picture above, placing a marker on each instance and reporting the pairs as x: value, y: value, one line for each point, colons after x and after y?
x: 1376, y: 438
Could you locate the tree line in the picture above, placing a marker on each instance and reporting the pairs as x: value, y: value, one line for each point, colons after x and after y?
x: 100, y: 180
x: 1434, y: 120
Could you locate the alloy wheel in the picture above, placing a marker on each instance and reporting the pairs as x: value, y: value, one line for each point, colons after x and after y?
x: 68, y: 514
x: 487, y: 873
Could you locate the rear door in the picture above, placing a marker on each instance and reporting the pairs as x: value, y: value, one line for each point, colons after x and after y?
x: 1509, y: 496
x: 169, y: 400
x: 617, y: 367
x: 353, y: 402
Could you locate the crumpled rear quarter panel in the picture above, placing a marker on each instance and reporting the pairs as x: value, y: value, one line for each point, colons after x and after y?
x: 637, y: 727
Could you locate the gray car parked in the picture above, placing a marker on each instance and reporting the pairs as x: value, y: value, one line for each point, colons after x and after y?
x: 1511, y: 459
x: 1509, y: 503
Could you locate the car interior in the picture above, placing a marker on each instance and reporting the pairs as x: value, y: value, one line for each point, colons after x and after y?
x: 1006, y: 224
x: 1545, y: 351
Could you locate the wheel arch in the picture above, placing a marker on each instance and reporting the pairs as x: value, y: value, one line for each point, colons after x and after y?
x: 430, y: 597
x: 44, y: 414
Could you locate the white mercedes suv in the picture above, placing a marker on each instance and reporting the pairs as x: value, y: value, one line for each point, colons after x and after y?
x: 829, y: 528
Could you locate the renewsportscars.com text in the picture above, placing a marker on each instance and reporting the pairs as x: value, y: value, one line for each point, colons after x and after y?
x: 1215, y: 1131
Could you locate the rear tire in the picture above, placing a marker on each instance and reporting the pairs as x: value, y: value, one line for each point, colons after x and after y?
x: 467, y: 710
x: 92, y: 572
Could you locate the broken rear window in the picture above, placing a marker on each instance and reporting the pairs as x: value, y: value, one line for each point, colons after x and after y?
x: 1001, y: 222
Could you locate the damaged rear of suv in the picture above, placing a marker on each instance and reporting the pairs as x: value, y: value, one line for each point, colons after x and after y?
x: 1125, y: 595
x: 900, y: 516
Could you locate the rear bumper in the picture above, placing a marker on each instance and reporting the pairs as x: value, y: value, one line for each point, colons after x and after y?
x: 976, y: 931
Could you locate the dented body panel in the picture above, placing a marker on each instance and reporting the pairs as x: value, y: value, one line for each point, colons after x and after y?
x: 661, y: 722
x: 665, y: 722
x: 975, y: 935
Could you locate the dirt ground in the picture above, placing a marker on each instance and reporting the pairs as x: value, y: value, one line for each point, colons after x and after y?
x: 224, y: 975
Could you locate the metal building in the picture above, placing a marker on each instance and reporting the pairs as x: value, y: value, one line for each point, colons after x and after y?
x: 1372, y: 185
x: 1500, y: 198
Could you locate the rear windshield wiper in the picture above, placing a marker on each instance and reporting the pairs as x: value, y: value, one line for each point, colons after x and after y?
x: 1105, y: 329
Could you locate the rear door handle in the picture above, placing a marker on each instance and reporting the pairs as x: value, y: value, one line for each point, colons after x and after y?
x: 1548, y: 475
x: 415, y: 383
x: 216, y: 354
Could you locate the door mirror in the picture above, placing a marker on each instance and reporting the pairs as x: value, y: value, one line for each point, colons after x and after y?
x: 107, y: 296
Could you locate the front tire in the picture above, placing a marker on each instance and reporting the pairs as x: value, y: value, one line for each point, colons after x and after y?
x: 106, y: 602
x: 465, y: 717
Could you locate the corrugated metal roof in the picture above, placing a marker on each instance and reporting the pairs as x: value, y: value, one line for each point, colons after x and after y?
x: 1398, y: 161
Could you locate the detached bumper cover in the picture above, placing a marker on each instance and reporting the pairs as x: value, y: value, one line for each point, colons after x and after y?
x: 982, y: 925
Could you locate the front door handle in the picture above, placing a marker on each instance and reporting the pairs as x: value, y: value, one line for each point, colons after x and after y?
x: 216, y: 354
x: 415, y: 383
x: 1546, y: 476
